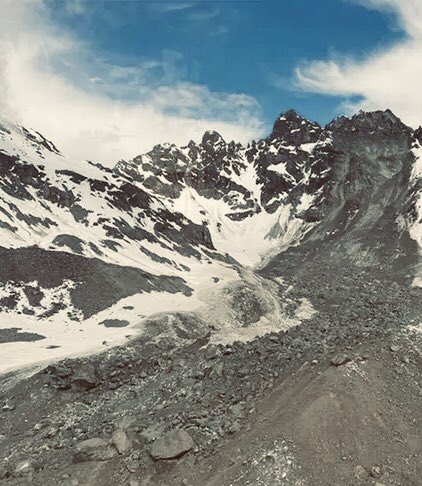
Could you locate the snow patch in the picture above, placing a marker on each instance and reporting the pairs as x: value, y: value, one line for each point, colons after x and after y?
x: 415, y: 227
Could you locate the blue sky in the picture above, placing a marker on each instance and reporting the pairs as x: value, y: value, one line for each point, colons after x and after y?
x: 111, y: 78
x: 251, y: 47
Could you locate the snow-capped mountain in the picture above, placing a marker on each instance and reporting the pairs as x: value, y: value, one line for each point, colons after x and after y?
x: 87, y: 250
x: 251, y: 199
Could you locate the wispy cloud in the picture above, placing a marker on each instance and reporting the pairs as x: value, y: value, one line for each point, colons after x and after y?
x: 92, y: 108
x: 170, y: 6
x: 385, y: 78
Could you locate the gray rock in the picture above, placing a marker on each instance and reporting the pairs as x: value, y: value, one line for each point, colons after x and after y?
x: 114, y: 323
x: 59, y: 370
x: 93, y: 450
x: 174, y: 444
x: 340, y: 359
x: 235, y: 427
x: 132, y: 465
x: 27, y: 467
x: 152, y: 433
x: 84, y: 379
x: 9, y: 405
x: 120, y: 441
x: 375, y: 471
x: 360, y: 472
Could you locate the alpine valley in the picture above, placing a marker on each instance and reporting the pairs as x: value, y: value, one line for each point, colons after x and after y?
x: 214, y: 314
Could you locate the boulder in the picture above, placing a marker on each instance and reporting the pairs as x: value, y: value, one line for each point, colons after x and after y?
x: 84, y: 379
x: 26, y: 468
x: 340, y: 359
x: 172, y: 445
x: 93, y: 450
x: 120, y: 441
x: 9, y: 405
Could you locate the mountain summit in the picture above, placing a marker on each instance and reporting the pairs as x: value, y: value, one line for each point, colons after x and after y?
x: 293, y: 128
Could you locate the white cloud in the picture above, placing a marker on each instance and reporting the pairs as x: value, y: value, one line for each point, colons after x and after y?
x: 408, y: 12
x: 386, y: 78
x: 170, y: 6
x: 93, y: 109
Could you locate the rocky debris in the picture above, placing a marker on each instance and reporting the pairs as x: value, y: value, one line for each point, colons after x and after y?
x: 58, y: 376
x: 340, y: 359
x: 173, y: 445
x: 93, y: 450
x: 211, y: 392
x: 214, y: 394
x: 80, y: 379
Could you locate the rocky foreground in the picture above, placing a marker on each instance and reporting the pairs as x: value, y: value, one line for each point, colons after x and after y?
x: 334, y: 401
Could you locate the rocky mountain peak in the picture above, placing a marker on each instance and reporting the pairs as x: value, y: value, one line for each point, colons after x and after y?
x: 295, y: 129
x: 212, y: 140
x: 418, y: 134
x: 369, y: 122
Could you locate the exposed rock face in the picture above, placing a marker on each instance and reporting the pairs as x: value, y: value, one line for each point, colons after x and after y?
x: 294, y: 129
x: 384, y: 122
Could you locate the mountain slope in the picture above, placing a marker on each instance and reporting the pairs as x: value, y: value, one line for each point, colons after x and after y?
x: 182, y: 229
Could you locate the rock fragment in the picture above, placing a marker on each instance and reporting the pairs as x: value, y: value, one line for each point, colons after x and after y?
x: 93, y: 450
x: 120, y: 441
x: 9, y: 405
x: 360, y: 472
x: 26, y: 468
x: 340, y: 359
x: 172, y: 445
x: 84, y: 379
x: 375, y: 471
